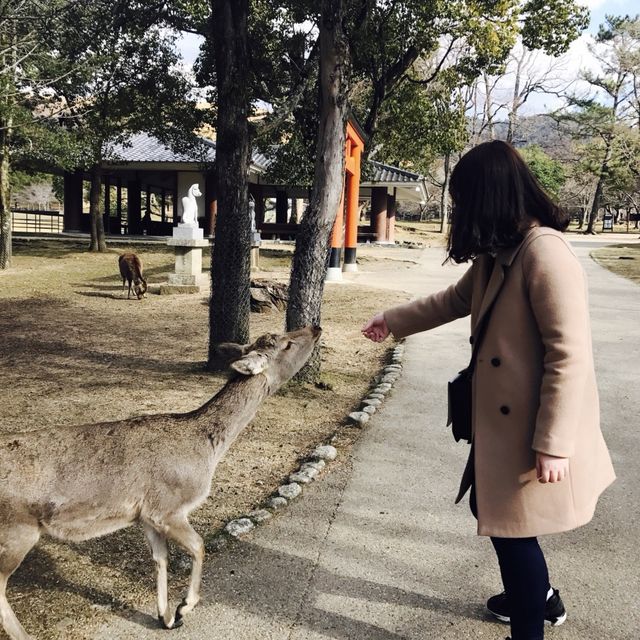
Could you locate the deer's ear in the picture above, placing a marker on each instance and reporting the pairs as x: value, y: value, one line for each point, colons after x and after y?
x: 251, y: 364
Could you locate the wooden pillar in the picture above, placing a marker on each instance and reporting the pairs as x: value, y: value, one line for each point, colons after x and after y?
x: 392, y: 206
x: 72, y: 201
x: 107, y: 204
x: 282, y: 207
x: 134, y: 207
x: 258, y: 194
x: 211, y: 206
x: 119, y: 204
x: 334, y: 272
x: 379, y: 213
x: 351, y: 229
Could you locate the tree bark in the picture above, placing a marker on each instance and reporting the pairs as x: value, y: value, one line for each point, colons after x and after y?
x: 488, y: 116
x: 5, y: 197
x: 515, y: 102
x: 444, y: 196
x: 310, y: 259
x: 98, y: 242
x: 7, y: 90
x: 229, y: 306
x: 597, y: 196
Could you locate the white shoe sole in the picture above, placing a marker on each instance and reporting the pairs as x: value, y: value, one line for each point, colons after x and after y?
x: 507, y: 620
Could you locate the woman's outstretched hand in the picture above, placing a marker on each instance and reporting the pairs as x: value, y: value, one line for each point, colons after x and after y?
x: 376, y: 329
x: 551, y: 468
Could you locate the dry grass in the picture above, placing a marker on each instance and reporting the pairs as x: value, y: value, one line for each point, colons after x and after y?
x: 427, y: 233
x: 623, y: 259
x: 74, y: 350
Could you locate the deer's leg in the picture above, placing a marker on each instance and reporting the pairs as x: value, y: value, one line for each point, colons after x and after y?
x: 181, y: 532
x: 158, y: 544
x: 14, y: 546
x: 123, y: 285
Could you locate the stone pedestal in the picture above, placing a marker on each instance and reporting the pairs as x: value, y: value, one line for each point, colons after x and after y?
x: 187, y: 242
x: 256, y: 241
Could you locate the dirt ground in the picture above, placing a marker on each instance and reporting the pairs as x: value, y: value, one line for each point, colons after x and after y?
x: 623, y: 259
x: 75, y: 350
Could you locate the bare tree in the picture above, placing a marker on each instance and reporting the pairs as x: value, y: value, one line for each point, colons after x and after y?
x: 530, y: 78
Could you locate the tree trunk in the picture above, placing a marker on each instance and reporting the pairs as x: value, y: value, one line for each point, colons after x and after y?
x: 5, y: 198
x: 488, y: 116
x: 98, y: 242
x: 515, y: 102
x: 310, y: 259
x: 229, y: 306
x: 444, y: 196
x: 595, y: 205
x: 7, y: 90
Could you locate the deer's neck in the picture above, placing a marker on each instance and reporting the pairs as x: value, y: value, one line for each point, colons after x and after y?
x: 231, y: 409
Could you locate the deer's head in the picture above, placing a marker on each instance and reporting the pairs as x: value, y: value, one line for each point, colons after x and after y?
x: 140, y: 288
x: 277, y: 356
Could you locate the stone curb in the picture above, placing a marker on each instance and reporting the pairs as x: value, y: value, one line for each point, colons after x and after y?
x: 312, y: 467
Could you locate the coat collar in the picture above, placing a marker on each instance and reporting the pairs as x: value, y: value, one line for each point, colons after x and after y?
x: 501, y: 263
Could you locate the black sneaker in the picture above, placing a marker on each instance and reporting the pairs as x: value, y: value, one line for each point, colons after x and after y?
x: 555, y: 613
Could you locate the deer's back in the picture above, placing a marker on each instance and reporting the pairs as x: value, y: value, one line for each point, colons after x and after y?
x: 105, y: 471
x: 130, y: 266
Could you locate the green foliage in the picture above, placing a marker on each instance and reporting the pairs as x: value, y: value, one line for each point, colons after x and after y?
x: 549, y: 172
x: 552, y: 25
x: 605, y: 126
x: 390, y: 41
x: 419, y: 124
x: 123, y: 77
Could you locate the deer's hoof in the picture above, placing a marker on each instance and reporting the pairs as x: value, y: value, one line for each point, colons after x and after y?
x: 179, y: 610
x: 177, y: 622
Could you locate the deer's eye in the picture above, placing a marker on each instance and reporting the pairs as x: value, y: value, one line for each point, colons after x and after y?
x: 289, y: 345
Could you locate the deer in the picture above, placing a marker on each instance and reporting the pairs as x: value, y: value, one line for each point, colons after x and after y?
x: 131, y: 272
x: 75, y: 483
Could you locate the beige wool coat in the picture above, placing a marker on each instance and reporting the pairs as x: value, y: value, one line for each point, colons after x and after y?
x: 534, y: 386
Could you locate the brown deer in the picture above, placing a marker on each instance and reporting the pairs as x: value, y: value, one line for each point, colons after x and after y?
x: 79, y: 482
x: 131, y: 272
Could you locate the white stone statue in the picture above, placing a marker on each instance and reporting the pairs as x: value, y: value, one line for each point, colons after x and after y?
x: 252, y: 212
x: 190, y: 206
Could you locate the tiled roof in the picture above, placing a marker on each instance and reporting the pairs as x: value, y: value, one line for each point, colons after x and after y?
x: 142, y: 147
x: 388, y: 173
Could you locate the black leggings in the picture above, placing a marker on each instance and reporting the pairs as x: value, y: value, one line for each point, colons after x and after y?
x: 525, y: 579
x: 526, y: 583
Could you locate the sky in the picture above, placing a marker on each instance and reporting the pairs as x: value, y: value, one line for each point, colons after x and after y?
x: 578, y: 57
x: 575, y: 60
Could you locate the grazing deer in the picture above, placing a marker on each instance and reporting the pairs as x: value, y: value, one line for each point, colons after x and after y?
x: 131, y: 271
x: 79, y: 482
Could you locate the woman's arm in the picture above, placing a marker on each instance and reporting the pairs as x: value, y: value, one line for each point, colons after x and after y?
x: 423, y: 313
x: 558, y: 297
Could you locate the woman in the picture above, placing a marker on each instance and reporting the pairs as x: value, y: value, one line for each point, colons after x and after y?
x: 538, y: 461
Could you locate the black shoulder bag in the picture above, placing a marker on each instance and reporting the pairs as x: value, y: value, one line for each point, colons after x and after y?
x: 460, y: 389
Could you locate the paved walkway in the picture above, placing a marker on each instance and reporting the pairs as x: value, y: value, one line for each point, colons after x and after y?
x: 378, y: 551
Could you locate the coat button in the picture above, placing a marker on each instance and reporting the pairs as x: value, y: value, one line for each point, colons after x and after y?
x: 495, y: 362
x: 504, y: 410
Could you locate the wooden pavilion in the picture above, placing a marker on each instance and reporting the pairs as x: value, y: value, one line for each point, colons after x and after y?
x: 144, y: 181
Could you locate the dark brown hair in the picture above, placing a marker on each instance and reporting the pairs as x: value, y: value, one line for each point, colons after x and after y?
x: 495, y: 198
